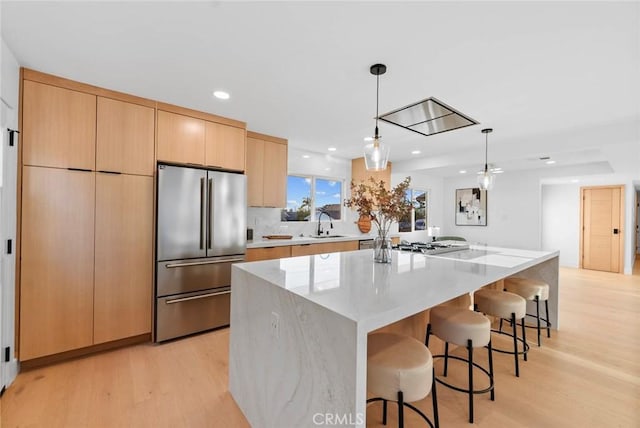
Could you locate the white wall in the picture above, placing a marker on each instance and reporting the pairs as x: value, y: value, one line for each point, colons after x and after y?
x: 561, y: 222
x: 433, y: 186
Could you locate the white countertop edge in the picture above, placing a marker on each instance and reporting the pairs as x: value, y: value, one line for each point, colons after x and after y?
x: 300, y: 240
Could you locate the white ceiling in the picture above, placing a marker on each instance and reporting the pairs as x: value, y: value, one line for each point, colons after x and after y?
x: 552, y: 79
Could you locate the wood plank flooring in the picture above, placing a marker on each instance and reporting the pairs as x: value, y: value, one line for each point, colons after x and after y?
x: 587, y: 374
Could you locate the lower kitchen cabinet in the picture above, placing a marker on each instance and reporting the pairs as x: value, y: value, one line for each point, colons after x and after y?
x: 323, y: 248
x: 268, y: 253
x: 57, y: 252
x: 124, y: 256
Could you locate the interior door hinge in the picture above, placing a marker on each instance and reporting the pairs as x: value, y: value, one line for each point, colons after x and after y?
x: 7, y: 354
x: 12, y: 132
x: 9, y: 246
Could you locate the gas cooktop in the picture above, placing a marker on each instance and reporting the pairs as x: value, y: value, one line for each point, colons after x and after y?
x: 432, y: 247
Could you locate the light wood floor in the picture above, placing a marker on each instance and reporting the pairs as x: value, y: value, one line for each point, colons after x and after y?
x: 586, y: 375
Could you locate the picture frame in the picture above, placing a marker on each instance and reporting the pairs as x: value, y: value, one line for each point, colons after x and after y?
x: 471, y: 207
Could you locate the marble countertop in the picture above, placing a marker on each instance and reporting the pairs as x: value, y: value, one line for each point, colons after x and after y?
x: 373, y: 294
x: 300, y: 240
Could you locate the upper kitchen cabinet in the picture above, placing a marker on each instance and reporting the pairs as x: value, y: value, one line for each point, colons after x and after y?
x: 180, y: 138
x: 191, y: 137
x: 59, y: 127
x: 359, y: 173
x: 125, y: 137
x: 266, y: 170
x: 225, y: 146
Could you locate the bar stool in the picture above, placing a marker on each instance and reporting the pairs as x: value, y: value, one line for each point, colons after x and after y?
x: 532, y: 290
x: 464, y: 328
x: 400, y: 368
x: 505, y: 305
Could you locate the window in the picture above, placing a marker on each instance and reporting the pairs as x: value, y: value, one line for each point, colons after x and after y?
x: 308, y: 194
x: 417, y: 219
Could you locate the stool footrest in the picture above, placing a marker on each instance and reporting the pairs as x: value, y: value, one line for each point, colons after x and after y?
x: 475, y: 391
x: 519, y: 339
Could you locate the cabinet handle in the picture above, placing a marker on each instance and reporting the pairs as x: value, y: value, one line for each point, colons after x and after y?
x: 304, y: 245
x: 109, y: 172
x: 79, y: 169
x: 210, y: 262
x: 202, y: 296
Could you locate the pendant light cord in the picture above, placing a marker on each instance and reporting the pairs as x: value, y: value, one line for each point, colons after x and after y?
x: 377, y: 101
x: 486, y: 151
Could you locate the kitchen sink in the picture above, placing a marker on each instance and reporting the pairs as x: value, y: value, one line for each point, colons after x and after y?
x: 327, y: 236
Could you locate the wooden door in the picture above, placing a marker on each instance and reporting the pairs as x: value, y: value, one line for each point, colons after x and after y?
x: 255, y: 172
x: 180, y: 138
x: 125, y: 137
x: 56, y: 286
x: 224, y: 146
x: 275, y: 175
x: 58, y: 127
x: 602, y: 234
x: 124, y: 256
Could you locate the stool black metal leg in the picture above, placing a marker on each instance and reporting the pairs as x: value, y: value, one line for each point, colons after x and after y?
x: 537, y: 299
x: 515, y: 343
x: 446, y: 358
x: 384, y: 412
x: 490, y: 354
x: 470, y: 349
x: 426, y: 339
x: 434, y: 400
x: 501, y: 325
x: 400, y: 410
x: 524, y: 339
x: 546, y: 308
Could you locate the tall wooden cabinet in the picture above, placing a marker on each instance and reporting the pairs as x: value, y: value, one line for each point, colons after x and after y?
x: 86, y: 217
x: 266, y: 171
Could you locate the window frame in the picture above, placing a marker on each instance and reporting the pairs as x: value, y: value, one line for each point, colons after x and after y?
x: 312, y: 216
x: 412, y: 215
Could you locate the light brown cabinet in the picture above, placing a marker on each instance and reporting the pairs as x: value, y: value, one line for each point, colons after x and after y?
x: 189, y: 140
x: 266, y: 171
x: 359, y: 173
x: 57, y: 260
x: 267, y: 253
x: 323, y: 248
x: 58, y: 127
x: 125, y: 137
x: 123, y: 256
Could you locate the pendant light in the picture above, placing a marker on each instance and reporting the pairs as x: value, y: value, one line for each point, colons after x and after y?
x: 485, y: 179
x: 376, y: 153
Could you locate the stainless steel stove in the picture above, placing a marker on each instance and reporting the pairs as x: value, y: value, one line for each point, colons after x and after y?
x: 433, y: 247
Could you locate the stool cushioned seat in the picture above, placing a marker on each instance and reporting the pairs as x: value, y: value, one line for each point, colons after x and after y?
x: 398, y: 363
x: 527, y: 288
x: 458, y: 326
x: 500, y: 303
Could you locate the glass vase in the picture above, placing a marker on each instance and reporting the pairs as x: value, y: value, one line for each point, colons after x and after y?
x: 382, y: 249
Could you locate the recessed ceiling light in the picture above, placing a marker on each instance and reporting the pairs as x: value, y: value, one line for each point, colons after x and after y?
x: 415, y: 152
x: 550, y: 162
x: 332, y: 149
x: 498, y: 171
x: 368, y: 138
x: 221, y: 95
x: 575, y: 180
x: 463, y: 171
x: 306, y: 156
x: 498, y: 168
x: 327, y: 169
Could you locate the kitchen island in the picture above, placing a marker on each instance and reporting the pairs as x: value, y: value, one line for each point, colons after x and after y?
x: 298, y: 339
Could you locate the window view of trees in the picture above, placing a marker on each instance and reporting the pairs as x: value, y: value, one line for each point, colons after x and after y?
x: 417, y: 219
x: 307, y: 195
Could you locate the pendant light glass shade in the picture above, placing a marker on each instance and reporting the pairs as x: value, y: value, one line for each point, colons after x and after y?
x: 376, y: 153
x: 486, y: 178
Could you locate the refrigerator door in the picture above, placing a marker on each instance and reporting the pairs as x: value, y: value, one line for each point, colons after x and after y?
x: 227, y: 213
x: 181, y: 212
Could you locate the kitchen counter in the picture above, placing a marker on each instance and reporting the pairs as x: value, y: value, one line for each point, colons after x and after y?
x: 300, y: 240
x: 299, y: 326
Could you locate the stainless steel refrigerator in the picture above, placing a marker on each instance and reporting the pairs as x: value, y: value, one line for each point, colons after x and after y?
x: 201, y: 232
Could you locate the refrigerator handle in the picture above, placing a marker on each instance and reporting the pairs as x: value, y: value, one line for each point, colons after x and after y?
x: 210, y: 214
x: 202, y: 213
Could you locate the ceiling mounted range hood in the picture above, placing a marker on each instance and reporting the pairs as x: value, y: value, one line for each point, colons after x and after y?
x: 427, y: 117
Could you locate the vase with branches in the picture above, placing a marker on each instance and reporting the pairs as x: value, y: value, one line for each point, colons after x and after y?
x: 384, y: 207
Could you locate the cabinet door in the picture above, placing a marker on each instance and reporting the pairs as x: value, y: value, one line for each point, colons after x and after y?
x: 56, y: 288
x: 180, y: 138
x: 275, y: 175
x: 59, y: 127
x: 255, y: 172
x: 125, y: 137
x: 124, y: 256
x: 268, y: 253
x: 359, y: 173
x: 224, y: 146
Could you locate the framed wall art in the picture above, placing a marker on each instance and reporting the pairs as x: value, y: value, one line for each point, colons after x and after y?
x: 471, y: 207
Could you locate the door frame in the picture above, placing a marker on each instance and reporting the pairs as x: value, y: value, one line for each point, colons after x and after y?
x: 622, y: 229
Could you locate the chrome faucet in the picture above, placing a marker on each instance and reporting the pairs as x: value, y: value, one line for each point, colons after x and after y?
x: 320, y: 225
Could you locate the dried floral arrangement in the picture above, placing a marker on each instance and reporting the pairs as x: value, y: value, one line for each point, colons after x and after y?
x: 381, y: 205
